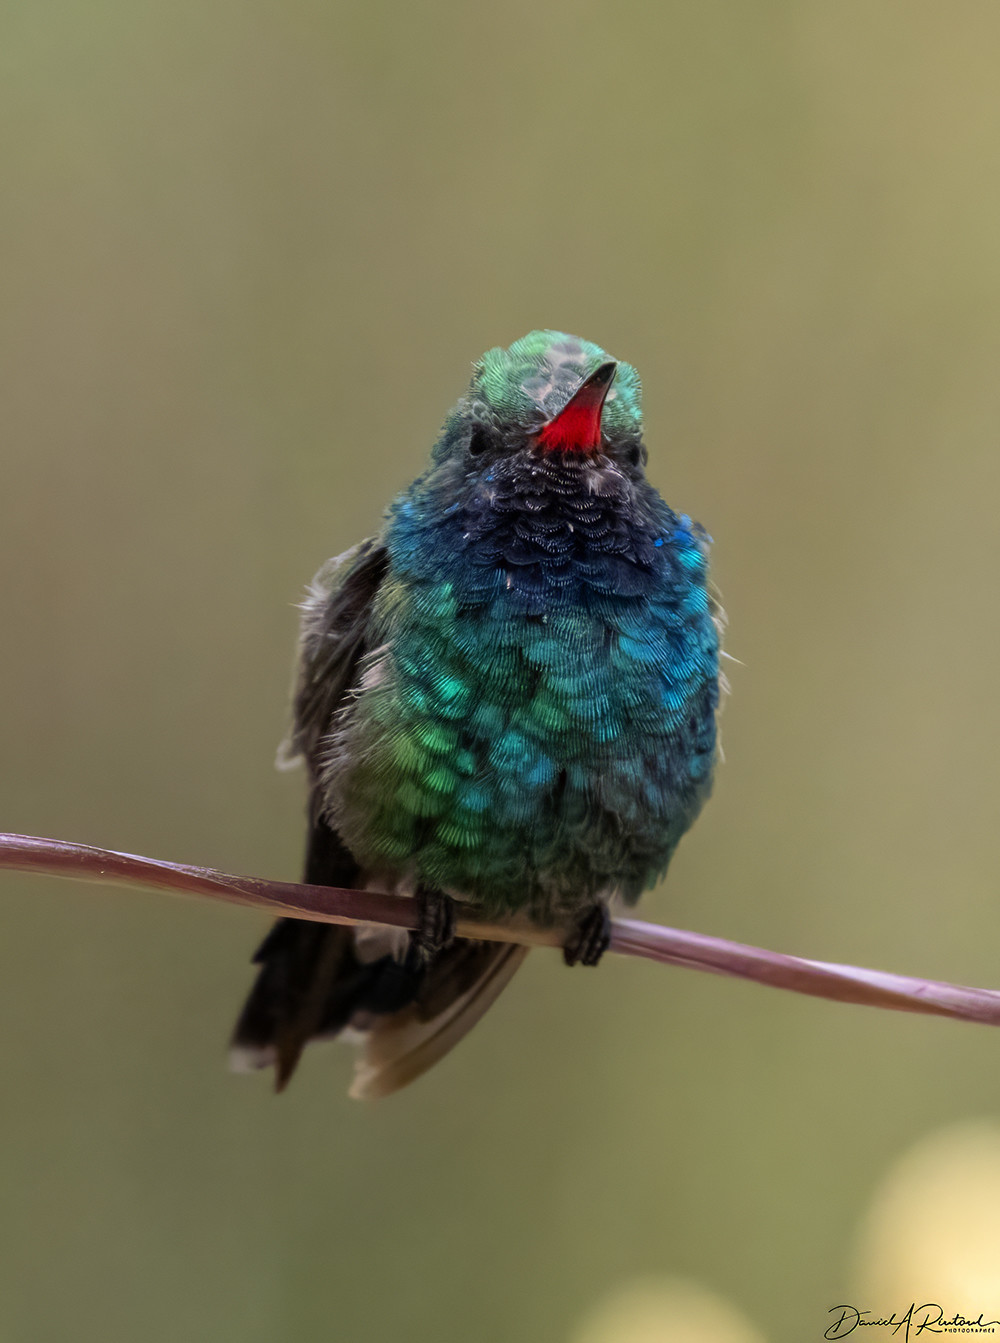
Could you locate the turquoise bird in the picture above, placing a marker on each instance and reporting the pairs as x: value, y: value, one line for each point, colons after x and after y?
x: 507, y: 697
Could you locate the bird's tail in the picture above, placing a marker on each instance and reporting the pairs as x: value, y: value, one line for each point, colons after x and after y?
x: 313, y: 983
x: 317, y: 980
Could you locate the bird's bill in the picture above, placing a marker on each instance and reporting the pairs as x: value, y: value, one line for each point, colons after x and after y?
x: 577, y: 427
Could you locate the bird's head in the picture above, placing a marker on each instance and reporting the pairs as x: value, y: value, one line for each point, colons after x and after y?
x: 548, y: 393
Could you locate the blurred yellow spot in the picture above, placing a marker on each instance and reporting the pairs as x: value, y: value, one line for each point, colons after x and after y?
x: 665, y: 1310
x: 933, y: 1230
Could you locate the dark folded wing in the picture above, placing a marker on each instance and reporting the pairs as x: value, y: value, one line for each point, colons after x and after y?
x: 309, y: 976
x: 335, y: 630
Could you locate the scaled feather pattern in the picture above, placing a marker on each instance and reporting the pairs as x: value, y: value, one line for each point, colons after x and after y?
x: 535, y: 726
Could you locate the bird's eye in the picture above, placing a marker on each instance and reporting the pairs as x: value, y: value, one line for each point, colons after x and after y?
x: 479, y: 440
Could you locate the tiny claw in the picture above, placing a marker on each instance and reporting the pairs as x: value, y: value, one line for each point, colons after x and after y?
x: 435, y: 930
x: 589, y: 937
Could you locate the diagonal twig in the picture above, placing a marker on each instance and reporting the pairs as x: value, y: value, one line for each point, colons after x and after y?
x: 670, y: 946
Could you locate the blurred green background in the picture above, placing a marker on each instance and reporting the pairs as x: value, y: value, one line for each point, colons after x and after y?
x: 249, y: 251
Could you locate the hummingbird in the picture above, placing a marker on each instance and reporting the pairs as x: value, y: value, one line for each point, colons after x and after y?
x: 507, y: 697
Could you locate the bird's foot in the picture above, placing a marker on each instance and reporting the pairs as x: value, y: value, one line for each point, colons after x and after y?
x: 589, y: 938
x: 435, y: 930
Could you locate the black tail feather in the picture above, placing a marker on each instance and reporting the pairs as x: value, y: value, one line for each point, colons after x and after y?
x: 312, y: 984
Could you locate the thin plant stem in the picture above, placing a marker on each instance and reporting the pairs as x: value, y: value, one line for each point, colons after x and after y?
x: 629, y: 937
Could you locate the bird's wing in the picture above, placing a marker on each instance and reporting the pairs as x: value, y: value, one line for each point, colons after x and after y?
x: 305, y: 980
x: 333, y: 640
